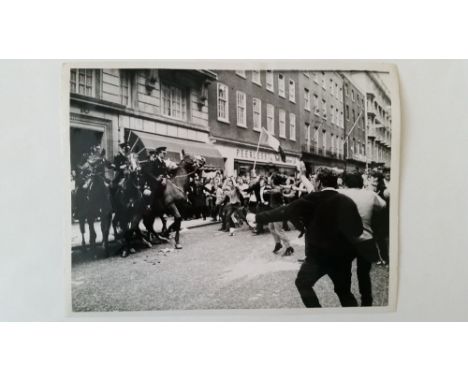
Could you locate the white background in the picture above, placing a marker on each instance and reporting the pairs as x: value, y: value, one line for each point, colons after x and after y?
x: 433, y: 206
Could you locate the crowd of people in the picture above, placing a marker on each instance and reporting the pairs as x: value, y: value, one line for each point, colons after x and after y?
x: 229, y: 199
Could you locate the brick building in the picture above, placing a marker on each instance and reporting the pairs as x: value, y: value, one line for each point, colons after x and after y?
x: 354, y: 122
x: 322, y: 121
x: 162, y: 107
x: 240, y: 104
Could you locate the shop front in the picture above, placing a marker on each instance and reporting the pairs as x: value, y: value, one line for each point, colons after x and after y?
x: 240, y: 160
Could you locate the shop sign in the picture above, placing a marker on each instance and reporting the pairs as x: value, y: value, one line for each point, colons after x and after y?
x: 263, y: 156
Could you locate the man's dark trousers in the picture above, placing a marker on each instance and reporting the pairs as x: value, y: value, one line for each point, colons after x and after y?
x: 338, y: 268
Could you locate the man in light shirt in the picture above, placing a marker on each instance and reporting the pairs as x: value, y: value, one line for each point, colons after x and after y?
x: 368, y: 204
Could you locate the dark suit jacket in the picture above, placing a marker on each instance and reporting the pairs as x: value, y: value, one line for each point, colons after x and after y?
x: 331, y: 219
x: 159, y: 168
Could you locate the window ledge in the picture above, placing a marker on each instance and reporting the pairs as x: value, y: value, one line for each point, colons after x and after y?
x: 223, y: 120
x: 241, y: 125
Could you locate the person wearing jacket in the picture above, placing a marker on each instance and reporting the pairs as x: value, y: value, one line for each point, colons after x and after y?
x: 332, y: 223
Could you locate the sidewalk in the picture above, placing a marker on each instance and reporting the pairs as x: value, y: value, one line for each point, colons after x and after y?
x: 186, y: 224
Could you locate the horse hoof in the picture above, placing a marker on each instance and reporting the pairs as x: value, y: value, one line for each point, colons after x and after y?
x: 132, y: 250
x: 178, y: 246
x: 124, y: 253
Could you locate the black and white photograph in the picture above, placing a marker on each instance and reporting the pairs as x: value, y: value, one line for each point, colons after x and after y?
x: 247, y: 188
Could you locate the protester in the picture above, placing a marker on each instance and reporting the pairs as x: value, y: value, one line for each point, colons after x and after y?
x: 368, y: 204
x: 333, y: 224
x: 276, y: 228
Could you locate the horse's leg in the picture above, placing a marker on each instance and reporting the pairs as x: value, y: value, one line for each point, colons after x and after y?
x: 92, y: 231
x: 139, y: 234
x: 176, y: 224
x: 165, y: 232
x: 82, y: 222
x: 115, y: 220
x: 105, y: 228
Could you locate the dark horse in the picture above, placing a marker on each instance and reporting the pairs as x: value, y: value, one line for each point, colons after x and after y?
x: 129, y: 205
x: 172, y: 198
x: 93, y: 201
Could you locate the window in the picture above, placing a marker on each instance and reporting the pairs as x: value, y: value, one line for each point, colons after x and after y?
x: 125, y: 88
x: 173, y: 102
x: 292, y: 126
x: 332, y: 114
x: 282, y: 123
x: 270, y: 84
x: 352, y: 94
x: 341, y: 120
x: 271, y: 118
x: 324, y: 141
x: 307, y: 134
x: 346, y: 90
x: 241, y: 73
x: 347, y: 112
x: 331, y: 86
x: 315, y: 75
x: 316, y: 105
x: 324, y: 82
x: 354, y: 116
x: 257, y: 114
x: 223, y: 103
x: 292, y: 91
x: 324, y: 109
x: 337, y: 118
x: 306, y: 99
x: 256, y: 77
x: 241, y: 109
x: 281, y: 91
x: 82, y: 82
x: 332, y: 140
x: 316, y: 136
x: 337, y: 94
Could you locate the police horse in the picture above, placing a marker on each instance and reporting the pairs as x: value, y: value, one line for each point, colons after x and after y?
x: 172, y: 198
x: 129, y: 206
x: 92, y: 202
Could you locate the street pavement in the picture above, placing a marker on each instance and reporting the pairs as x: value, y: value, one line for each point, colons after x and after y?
x: 212, y: 271
x: 76, y: 234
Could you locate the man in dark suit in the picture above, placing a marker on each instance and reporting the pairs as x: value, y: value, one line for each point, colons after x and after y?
x: 159, y: 169
x: 332, y: 223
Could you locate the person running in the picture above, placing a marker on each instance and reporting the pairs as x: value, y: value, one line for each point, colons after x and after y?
x: 276, y: 228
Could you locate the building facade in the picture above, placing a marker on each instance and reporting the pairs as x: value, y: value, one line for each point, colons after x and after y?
x: 322, y: 119
x: 354, y: 126
x: 378, y: 118
x: 160, y: 107
x: 241, y: 103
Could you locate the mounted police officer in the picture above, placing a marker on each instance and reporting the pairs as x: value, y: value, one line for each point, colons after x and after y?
x: 121, y: 163
x: 159, y: 169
